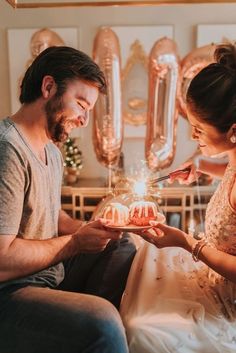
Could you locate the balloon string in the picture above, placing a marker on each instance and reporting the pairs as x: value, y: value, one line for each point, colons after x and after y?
x: 200, y: 209
x: 109, y: 180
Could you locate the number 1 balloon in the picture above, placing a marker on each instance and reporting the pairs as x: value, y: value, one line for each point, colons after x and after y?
x: 107, y: 121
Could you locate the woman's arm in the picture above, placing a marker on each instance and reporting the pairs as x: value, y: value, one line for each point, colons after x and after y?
x: 211, y: 167
x: 219, y: 261
x: 197, y: 167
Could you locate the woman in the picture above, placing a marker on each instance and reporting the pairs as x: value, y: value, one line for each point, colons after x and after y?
x: 182, y: 298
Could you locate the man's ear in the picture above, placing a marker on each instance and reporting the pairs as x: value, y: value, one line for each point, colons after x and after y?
x: 48, y: 87
x: 233, y: 126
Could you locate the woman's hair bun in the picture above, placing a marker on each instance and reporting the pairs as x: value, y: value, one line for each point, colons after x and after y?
x: 225, y: 54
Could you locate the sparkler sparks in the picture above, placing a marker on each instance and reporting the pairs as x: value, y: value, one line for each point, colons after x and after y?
x: 140, y: 187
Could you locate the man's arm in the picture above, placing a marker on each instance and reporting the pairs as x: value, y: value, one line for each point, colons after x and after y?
x: 66, y: 224
x: 22, y: 257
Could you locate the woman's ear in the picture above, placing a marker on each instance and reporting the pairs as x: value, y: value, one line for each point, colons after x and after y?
x: 48, y: 87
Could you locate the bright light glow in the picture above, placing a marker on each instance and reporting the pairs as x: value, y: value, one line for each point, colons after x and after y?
x: 140, y: 187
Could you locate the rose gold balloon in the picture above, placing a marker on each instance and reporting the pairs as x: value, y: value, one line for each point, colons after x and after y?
x: 42, y: 39
x: 162, y: 112
x: 107, y: 122
x: 191, y: 64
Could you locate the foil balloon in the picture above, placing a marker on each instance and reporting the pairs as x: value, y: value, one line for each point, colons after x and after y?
x: 162, y: 108
x: 42, y: 39
x: 191, y: 64
x: 107, y: 122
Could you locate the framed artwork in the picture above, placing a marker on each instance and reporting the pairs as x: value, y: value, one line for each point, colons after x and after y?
x: 135, y: 45
x: 25, y: 44
x: 207, y: 34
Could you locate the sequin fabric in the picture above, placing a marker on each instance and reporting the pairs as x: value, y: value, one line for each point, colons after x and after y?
x: 173, y: 304
x: 220, y: 225
x: 220, y: 232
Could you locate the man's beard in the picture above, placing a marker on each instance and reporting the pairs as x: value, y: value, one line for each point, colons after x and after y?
x: 55, y: 119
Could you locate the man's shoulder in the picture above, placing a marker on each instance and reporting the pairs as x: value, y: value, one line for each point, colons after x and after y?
x: 5, y: 128
x: 8, y: 132
x: 10, y: 144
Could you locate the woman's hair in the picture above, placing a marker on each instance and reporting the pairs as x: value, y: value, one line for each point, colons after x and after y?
x: 64, y: 64
x: 212, y: 92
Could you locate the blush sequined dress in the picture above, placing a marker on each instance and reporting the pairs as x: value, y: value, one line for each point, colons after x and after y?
x: 172, y: 304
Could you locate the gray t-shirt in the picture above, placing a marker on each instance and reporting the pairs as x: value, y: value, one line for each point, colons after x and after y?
x: 30, y: 194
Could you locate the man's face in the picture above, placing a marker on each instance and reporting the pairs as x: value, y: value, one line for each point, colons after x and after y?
x: 70, y: 110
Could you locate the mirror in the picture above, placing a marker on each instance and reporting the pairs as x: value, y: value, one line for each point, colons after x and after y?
x: 134, y: 83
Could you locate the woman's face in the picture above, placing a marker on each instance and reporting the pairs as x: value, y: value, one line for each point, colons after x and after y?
x: 210, y: 140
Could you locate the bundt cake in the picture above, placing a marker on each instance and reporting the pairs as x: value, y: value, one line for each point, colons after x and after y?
x: 117, y: 214
x: 141, y: 212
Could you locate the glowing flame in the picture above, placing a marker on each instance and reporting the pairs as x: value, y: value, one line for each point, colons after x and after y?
x: 140, y: 187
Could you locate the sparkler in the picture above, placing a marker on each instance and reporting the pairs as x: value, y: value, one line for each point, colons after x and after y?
x: 140, y: 187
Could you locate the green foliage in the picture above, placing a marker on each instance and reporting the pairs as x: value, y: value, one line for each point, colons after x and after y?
x: 72, y: 154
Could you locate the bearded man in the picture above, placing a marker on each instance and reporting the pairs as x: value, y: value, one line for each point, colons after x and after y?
x: 54, y: 269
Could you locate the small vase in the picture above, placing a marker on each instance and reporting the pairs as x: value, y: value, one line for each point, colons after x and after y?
x: 71, y: 175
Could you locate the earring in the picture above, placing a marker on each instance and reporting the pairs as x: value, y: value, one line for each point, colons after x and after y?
x: 233, y: 139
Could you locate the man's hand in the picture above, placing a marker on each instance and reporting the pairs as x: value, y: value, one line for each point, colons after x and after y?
x: 93, y: 237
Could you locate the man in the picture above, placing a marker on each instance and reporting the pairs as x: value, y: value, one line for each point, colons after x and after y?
x: 40, y: 310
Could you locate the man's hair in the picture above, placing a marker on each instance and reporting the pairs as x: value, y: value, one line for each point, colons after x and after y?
x: 64, y: 64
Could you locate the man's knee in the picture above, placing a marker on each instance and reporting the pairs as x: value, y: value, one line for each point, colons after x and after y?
x: 105, y: 329
x: 123, y: 250
x: 61, y: 321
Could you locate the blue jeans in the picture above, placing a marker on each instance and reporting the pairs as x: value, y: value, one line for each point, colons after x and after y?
x: 71, y: 318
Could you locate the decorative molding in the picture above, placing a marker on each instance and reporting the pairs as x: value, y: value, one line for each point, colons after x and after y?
x: 23, y: 4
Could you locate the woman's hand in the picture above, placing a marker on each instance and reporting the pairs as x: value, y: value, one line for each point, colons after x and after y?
x: 185, y: 177
x: 163, y: 236
x: 93, y: 237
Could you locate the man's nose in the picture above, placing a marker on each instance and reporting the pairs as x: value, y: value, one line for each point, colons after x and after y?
x: 194, y: 136
x: 86, y: 118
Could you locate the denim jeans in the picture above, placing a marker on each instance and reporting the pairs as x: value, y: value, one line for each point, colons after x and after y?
x: 72, y: 318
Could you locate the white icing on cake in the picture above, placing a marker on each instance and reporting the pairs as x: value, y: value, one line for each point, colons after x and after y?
x: 143, y: 209
x: 117, y: 214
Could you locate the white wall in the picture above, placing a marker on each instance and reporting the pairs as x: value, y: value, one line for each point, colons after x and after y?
x: 184, y: 18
